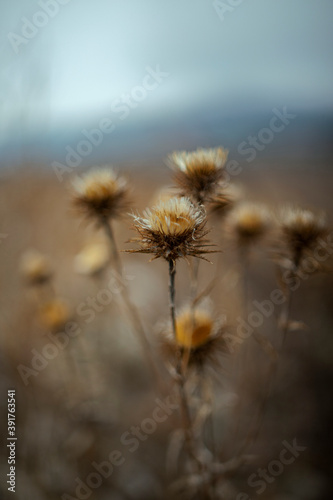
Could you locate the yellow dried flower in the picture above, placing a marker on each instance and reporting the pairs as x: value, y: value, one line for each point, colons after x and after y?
x: 198, y: 173
x: 35, y: 267
x: 200, y: 334
x: 249, y: 222
x: 193, y: 328
x: 101, y: 194
x: 92, y: 259
x: 172, y: 229
x: 54, y: 314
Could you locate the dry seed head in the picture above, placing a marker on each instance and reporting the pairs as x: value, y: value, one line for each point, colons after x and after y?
x: 249, y: 221
x: 301, y: 229
x: 193, y: 328
x: 101, y: 194
x: 35, y: 267
x: 172, y: 229
x: 199, y: 334
x: 198, y: 173
x: 92, y: 259
x: 221, y: 202
x: 54, y: 314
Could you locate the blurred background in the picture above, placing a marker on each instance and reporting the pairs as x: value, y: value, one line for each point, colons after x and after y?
x: 126, y: 83
x: 224, y: 69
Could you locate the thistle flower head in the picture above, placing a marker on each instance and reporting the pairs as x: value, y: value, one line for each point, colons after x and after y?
x: 35, y: 267
x: 100, y: 194
x: 301, y: 229
x: 54, y: 314
x: 197, y: 173
x: 172, y: 229
x: 198, y: 333
x: 249, y: 222
x: 224, y: 199
x: 92, y: 259
x: 193, y: 328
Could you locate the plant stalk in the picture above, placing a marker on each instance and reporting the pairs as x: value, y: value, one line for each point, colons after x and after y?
x: 185, y: 408
x: 132, y: 309
x: 284, y: 317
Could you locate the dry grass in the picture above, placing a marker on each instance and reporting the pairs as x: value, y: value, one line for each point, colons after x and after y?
x: 74, y: 412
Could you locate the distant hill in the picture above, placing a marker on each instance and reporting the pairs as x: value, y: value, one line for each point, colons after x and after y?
x: 307, y: 136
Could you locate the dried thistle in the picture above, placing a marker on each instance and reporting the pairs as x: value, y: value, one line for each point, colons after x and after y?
x: 301, y: 230
x: 54, y: 314
x: 198, y: 173
x: 35, y: 268
x: 193, y: 328
x: 92, y: 259
x: 101, y: 194
x: 198, y: 334
x: 173, y: 229
x: 249, y: 222
x: 221, y: 202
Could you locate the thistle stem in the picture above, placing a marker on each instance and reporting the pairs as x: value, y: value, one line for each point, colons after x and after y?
x: 185, y: 407
x: 253, y: 433
x: 132, y: 309
x: 208, y: 397
x: 283, y: 323
x: 194, y: 291
x: 245, y: 263
x: 172, y: 274
x: 284, y: 317
x: 194, y: 279
x: 114, y: 249
x: 243, y: 256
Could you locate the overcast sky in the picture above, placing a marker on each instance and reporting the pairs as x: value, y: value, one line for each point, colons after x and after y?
x: 90, y: 53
